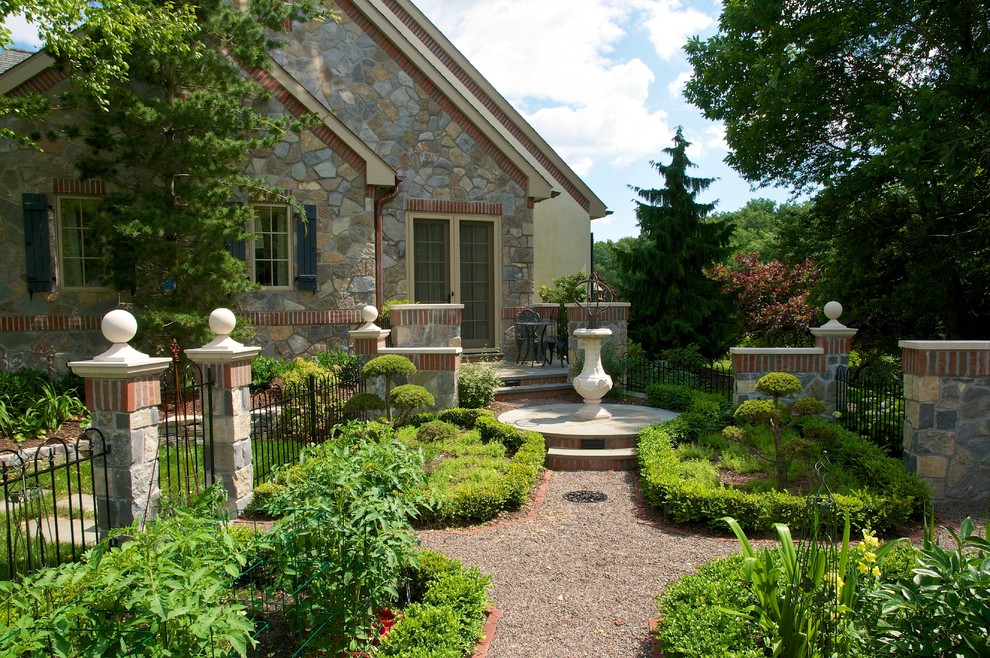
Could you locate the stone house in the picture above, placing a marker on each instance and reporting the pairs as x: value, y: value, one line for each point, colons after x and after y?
x: 421, y: 182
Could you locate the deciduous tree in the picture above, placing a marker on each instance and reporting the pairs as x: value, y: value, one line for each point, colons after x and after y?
x: 882, y: 108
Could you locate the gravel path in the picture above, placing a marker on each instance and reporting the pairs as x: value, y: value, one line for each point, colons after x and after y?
x: 580, y: 579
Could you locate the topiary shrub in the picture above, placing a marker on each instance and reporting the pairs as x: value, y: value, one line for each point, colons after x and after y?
x: 465, y: 418
x: 476, y: 384
x: 435, y: 431
x: 420, y: 418
x: 778, y: 417
x: 388, y: 366
x: 363, y: 403
x: 407, y: 397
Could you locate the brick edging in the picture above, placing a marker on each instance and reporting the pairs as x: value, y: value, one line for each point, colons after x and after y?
x: 492, y: 615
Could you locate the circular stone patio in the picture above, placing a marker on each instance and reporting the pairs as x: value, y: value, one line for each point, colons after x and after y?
x: 561, y: 420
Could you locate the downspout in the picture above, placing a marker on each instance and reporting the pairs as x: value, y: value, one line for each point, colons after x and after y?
x: 379, y: 273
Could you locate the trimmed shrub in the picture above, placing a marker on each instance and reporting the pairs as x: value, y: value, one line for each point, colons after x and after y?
x: 476, y: 384
x: 420, y: 418
x: 492, y: 430
x: 894, y: 495
x: 674, y: 397
x: 465, y: 418
x: 437, y: 430
x: 407, y: 397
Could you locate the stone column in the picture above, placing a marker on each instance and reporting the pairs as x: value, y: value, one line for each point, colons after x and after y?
x: 230, y: 364
x: 123, y: 390
x: 835, y: 340
x: 947, y: 416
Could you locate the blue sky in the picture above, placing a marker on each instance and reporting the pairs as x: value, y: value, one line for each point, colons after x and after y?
x: 599, y: 79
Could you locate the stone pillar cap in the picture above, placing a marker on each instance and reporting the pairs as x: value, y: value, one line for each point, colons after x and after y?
x: 223, y: 348
x: 121, y: 360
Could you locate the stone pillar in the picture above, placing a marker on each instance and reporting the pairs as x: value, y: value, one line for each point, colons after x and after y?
x: 123, y: 390
x: 947, y: 416
x: 835, y: 341
x: 230, y: 364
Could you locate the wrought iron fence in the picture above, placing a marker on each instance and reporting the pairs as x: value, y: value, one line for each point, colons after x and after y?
x: 54, y: 499
x: 713, y: 378
x: 871, y: 406
x: 285, y: 419
x: 185, y: 431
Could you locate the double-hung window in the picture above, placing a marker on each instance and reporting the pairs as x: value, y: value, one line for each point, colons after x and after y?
x: 82, y: 250
x: 270, y: 255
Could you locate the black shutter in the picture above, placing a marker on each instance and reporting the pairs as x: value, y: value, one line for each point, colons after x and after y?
x: 306, y: 251
x: 37, y: 243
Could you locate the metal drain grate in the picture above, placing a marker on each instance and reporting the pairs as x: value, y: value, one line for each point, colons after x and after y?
x: 584, y: 496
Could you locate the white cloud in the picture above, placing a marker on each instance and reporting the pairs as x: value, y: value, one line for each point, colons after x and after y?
x: 670, y: 25
x: 676, y: 87
x: 559, y: 64
x: 711, y: 142
x: 23, y: 34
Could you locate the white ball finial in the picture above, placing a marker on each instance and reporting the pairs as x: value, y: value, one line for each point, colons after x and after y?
x: 222, y: 321
x: 119, y: 326
x: 833, y: 310
x: 369, y: 314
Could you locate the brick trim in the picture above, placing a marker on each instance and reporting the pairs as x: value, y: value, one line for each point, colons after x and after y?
x: 615, y: 313
x: 763, y: 363
x: 454, y: 207
x: 487, y: 101
x: 434, y: 316
x: 289, y: 318
x: 297, y: 109
x: 123, y: 395
x: 435, y: 362
x: 40, y: 83
x: 17, y: 323
x: 946, y: 363
x: 92, y: 187
x: 347, y: 7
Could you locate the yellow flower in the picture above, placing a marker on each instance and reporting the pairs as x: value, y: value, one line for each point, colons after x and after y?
x: 862, y: 567
x: 876, y: 572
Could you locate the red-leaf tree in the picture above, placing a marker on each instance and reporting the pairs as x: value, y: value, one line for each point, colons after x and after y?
x: 771, y: 298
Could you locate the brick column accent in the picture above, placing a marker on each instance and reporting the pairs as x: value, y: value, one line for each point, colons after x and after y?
x: 123, y: 390
x: 947, y: 416
x: 230, y: 363
x: 835, y: 340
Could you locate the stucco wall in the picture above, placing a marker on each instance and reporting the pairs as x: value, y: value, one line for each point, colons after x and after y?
x: 562, y: 235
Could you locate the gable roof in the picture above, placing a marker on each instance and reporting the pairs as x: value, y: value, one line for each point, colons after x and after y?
x: 472, y: 90
x: 422, y: 43
x: 11, y: 57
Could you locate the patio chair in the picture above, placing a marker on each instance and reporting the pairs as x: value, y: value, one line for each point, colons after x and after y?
x: 527, y: 327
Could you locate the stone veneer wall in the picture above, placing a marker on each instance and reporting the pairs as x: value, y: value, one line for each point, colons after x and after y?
x: 805, y: 363
x: 354, y: 69
x: 947, y: 416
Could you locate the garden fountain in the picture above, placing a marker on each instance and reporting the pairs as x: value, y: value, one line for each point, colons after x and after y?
x: 591, y: 435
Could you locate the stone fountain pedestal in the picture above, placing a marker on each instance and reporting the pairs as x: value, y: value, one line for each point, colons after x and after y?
x: 592, y: 435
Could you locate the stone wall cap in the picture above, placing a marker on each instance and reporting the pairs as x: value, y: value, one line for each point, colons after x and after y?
x: 837, y: 331
x: 767, y: 351
x: 421, y: 350
x: 373, y: 332
x: 945, y: 345
x: 425, y: 307
x: 108, y: 370
x: 223, y: 355
x: 574, y: 305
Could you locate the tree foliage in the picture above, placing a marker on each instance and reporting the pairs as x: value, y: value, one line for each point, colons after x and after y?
x: 674, y: 303
x: 777, y: 232
x: 171, y: 133
x: 883, y: 108
x: 771, y: 298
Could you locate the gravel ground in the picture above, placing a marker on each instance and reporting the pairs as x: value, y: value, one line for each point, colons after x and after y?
x: 579, y: 580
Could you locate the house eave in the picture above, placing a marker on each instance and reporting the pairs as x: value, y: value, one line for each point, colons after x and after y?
x: 20, y: 73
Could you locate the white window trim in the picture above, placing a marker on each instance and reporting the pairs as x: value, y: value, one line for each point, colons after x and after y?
x: 60, y: 246
x: 291, y: 256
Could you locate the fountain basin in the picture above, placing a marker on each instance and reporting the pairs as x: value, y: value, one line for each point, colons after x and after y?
x: 605, y: 442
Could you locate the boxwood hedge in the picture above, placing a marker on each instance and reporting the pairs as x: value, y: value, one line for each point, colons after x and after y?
x: 889, y: 496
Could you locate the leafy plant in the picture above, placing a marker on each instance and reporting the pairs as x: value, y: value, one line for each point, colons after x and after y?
x: 476, y: 384
x: 944, y: 609
x: 32, y: 404
x: 264, y: 369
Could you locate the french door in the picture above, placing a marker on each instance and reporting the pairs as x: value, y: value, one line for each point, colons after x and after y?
x: 453, y: 261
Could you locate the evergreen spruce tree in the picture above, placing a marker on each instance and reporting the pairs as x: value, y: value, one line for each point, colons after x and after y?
x: 674, y: 303
x: 173, y: 142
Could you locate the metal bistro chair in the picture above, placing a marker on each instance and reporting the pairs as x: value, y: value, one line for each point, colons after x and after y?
x: 527, y: 338
x: 553, y: 344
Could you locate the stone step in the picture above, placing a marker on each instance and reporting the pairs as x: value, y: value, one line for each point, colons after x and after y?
x: 617, y: 459
x: 584, y: 443
x: 483, y: 357
x: 536, y: 391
